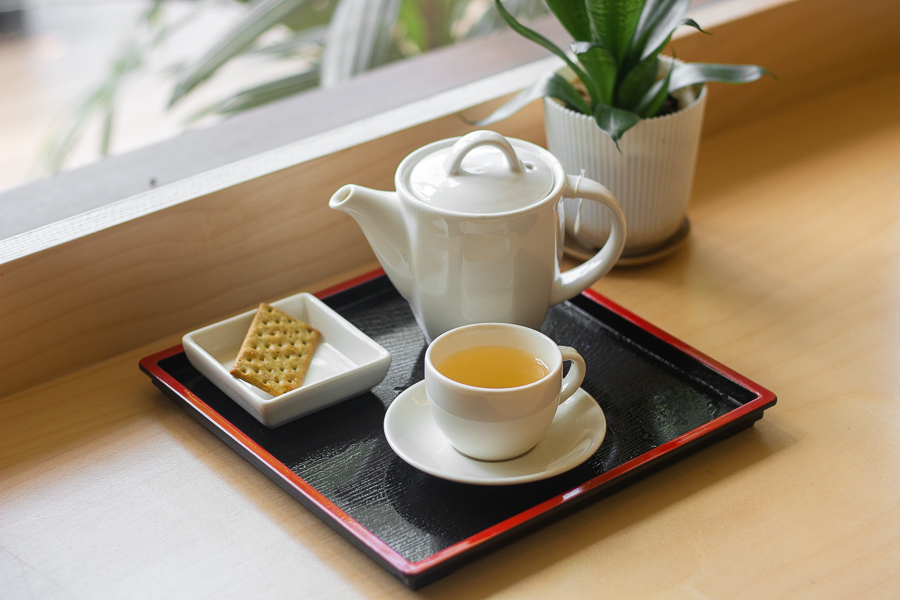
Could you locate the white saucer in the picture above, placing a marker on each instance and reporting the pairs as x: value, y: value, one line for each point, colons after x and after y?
x: 575, y: 434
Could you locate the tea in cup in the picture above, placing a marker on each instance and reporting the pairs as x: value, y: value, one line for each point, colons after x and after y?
x: 493, y: 388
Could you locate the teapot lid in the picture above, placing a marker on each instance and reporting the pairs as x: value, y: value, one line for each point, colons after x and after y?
x: 481, y: 173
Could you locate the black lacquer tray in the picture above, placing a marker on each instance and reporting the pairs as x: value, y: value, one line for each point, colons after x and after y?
x: 662, y: 401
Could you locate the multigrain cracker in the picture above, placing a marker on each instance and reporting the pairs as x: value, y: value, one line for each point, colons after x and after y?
x: 276, y: 352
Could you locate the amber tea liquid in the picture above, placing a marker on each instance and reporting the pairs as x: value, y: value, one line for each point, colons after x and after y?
x: 493, y: 367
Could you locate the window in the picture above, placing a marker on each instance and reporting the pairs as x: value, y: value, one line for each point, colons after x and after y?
x: 55, y: 51
x: 140, y: 168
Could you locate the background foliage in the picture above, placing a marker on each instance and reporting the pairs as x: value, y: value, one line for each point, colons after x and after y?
x: 325, y: 42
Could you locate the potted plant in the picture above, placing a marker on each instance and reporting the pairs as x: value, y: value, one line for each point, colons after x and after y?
x: 624, y: 114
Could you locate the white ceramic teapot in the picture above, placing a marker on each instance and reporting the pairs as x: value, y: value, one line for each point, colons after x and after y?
x: 474, y: 233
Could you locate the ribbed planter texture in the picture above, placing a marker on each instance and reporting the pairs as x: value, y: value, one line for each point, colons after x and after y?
x: 651, y: 177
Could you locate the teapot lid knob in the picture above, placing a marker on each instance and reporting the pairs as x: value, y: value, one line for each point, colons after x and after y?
x: 467, y: 143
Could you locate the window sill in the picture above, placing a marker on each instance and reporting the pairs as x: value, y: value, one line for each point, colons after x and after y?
x: 170, y: 259
x: 265, y: 129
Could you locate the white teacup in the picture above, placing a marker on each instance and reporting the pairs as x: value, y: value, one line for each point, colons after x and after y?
x: 497, y: 423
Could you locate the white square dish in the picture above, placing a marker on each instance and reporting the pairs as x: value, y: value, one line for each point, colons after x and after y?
x: 346, y: 363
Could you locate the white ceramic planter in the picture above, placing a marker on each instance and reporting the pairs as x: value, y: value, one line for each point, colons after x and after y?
x: 651, y: 177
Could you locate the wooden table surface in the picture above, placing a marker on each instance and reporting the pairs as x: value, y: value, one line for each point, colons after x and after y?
x: 791, y: 276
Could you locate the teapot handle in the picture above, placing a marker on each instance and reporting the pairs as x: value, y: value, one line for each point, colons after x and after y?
x: 574, y: 281
x: 467, y: 143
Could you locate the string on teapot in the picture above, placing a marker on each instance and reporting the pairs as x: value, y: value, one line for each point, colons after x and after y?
x: 580, y: 201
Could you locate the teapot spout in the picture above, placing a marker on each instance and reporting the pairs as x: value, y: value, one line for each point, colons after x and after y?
x: 380, y: 216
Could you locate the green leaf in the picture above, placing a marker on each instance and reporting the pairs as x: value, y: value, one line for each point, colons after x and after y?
x: 306, y: 15
x: 553, y: 85
x: 574, y: 17
x: 490, y: 20
x: 614, y: 121
x: 153, y: 16
x: 263, y: 15
x: 694, y: 24
x: 531, y: 35
x: 99, y: 103
x: 687, y: 74
x: 560, y: 88
x: 659, y: 47
x: 636, y: 83
x: 658, y: 20
x: 269, y: 92
x: 359, y: 38
x: 106, y: 132
x: 297, y: 43
x: 613, y: 23
x: 415, y: 29
x: 548, y: 45
x: 650, y: 104
x: 600, y: 65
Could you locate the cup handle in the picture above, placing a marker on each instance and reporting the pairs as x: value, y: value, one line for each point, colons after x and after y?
x: 572, y: 381
x: 574, y: 281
